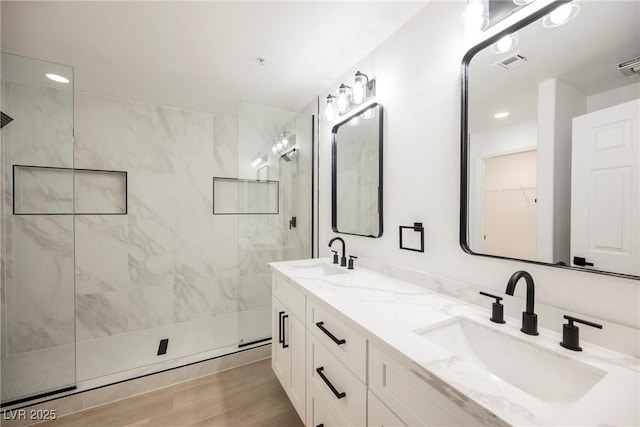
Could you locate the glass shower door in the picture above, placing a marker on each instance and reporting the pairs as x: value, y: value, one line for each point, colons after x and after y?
x: 37, y: 220
x: 265, y: 236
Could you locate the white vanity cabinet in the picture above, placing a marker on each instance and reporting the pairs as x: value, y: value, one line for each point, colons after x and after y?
x: 288, y: 352
x: 334, y: 376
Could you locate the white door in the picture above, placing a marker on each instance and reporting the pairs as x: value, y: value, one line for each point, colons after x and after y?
x: 605, y: 189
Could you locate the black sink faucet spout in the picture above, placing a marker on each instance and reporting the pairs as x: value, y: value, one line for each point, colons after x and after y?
x: 343, y: 258
x: 529, y: 318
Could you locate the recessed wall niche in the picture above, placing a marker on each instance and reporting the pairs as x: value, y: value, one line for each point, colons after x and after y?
x: 44, y: 190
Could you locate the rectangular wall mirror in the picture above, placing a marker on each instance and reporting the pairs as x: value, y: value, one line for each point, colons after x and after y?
x: 356, y: 172
x: 550, y: 140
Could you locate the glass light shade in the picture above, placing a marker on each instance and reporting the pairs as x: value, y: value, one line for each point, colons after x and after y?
x: 474, y: 17
x: 279, y: 145
x: 561, y: 14
x: 505, y: 44
x: 330, y: 109
x: 343, y: 99
x: 274, y: 149
x: 359, y: 88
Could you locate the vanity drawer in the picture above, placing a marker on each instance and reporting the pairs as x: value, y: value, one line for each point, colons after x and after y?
x: 289, y: 295
x: 408, y: 394
x: 345, y: 344
x: 320, y: 412
x: 337, y: 383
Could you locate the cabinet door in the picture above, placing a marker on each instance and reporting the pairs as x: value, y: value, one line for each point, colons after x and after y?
x: 378, y: 415
x: 278, y: 352
x: 296, y: 382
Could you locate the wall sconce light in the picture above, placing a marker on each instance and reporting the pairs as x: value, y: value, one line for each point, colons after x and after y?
x: 349, y: 96
x: 505, y: 44
x: 259, y: 161
x: 561, y: 14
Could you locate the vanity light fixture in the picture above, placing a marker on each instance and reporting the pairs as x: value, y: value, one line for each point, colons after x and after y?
x: 505, y: 44
x: 57, y: 78
x: 349, y: 97
x: 282, y: 143
x: 561, y: 14
x: 501, y: 115
x: 259, y: 161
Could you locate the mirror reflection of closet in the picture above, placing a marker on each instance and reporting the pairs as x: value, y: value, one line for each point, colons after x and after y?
x: 551, y: 145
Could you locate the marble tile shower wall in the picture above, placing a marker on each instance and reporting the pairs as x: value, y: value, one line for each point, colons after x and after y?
x: 167, y: 269
x: 169, y: 261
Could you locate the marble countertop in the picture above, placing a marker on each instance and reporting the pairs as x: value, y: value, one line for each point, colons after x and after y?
x: 389, y: 311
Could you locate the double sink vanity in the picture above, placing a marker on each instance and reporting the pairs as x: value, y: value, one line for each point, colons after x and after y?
x: 356, y: 347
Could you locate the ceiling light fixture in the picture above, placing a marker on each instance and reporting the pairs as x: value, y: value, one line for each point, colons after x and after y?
x: 505, y: 44
x: 501, y: 115
x: 57, y: 78
x: 561, y: 14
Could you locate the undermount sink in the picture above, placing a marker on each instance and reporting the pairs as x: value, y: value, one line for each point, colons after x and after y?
x: 320, y: 269
x: 542, y: 373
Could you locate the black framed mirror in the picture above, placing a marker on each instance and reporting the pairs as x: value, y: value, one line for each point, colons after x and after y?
x: 356, y: 173
x: 550, y: 155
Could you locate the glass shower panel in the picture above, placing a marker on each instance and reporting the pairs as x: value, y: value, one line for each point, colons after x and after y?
x: 268, y: 237
x: 37, y: 220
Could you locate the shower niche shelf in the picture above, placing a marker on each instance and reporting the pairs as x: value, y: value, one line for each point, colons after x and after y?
x: 236, y: 196
x: 46, y: 190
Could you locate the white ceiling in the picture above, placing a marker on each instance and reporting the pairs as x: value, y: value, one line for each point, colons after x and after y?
x: 202, y: 55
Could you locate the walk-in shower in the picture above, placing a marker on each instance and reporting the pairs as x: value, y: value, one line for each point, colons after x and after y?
x: 137, y: 237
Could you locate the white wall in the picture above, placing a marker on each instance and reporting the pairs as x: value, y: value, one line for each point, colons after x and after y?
x: 418, y: 77
x: 613, y: 97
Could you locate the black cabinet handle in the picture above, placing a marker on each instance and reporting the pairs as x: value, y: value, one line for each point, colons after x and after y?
x: 320, y: 326
x: 338, y: 394
x: 320, y: 425
x: 280, y: 339
x: 284, y: 337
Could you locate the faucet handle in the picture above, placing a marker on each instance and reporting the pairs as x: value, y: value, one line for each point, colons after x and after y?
x: 497, y: 312
x: 335, y: 256
x: 571, y: 333
x: 351, y: 258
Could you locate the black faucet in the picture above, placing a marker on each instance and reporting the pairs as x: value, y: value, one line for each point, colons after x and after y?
x: 343, y: 258
x: 529, y: 318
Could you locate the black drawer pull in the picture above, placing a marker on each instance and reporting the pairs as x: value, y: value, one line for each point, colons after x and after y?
x: 329, y: 334
x: 284, y: 337
x: 339, y: 395
x: 280, y: 339
x: 320, y: 425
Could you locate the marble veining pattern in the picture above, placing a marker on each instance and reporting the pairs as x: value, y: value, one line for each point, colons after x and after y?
x: 387, y: 311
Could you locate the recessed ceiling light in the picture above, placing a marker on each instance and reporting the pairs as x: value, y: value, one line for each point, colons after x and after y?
x: 57, y: 78
x: 501, y: 115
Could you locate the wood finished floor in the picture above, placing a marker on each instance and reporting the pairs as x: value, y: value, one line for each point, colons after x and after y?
x: 246, y: 396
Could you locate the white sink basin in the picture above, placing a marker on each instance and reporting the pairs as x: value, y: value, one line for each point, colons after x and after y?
x: 542, y: 373
x: 319, y: 270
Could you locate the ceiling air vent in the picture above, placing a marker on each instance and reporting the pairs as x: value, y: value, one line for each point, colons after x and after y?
x: 512, y: 62
x: 630, y: 67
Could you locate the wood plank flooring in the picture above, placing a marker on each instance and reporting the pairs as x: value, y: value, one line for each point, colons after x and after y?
x: 248, y: 396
